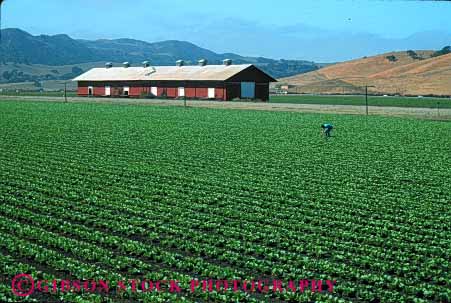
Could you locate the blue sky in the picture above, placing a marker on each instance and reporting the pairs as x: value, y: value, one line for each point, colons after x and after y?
x: 323, y: 31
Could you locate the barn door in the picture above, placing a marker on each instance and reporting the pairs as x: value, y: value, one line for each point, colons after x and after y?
x: 107, y: 90
x: 211, y: 93
x: 248, y: 90
x: 181, y: 92
x: 126, y: 91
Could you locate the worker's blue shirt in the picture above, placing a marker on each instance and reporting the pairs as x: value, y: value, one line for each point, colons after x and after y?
x: 328, y: 126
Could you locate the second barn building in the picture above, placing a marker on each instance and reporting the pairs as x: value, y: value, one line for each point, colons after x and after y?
x: 202, y: 81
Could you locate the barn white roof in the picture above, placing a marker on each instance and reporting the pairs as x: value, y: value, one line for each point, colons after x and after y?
x: 177, y: 73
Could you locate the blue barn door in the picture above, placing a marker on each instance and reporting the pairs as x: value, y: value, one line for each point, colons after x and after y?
x: 248, y: 90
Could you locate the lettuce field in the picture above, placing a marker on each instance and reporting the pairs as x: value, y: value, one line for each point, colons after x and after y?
x: 116, y: 192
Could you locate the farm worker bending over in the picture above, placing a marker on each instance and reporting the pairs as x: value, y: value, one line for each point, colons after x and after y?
x: 327, y: 129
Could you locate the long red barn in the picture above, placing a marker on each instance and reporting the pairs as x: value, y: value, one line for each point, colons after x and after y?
x: 216, y: 82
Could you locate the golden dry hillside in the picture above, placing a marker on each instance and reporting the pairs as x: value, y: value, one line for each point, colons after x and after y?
x: 390, y: 73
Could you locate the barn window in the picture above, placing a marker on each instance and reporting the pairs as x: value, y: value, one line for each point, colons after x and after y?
x: 90, y: 90
x: 126, y: 90
x: 248, y: 90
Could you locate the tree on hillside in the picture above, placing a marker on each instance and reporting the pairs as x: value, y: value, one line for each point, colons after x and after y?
x: 6, y: 75
x: 443, y: 51
x: 77, y: 70
x: 391, y: 58
x: 412, y: 54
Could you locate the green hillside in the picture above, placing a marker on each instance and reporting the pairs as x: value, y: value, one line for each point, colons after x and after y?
x: 51, y: 52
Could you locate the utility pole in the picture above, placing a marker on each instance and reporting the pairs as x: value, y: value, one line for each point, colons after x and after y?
x: 65, y: 92
x: 366, y: 99
x: 184, y: 93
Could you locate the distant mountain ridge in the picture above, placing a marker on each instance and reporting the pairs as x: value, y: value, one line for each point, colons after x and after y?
x: 20, y: 47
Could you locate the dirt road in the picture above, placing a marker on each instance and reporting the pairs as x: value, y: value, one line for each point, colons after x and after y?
x: 424, y: 113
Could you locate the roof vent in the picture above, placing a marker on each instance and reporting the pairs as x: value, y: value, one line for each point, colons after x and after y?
x: 202, y: 62
x: 126, y: 64
x: 179, y: 63
x: 146, y: 63
x: 108, y: 65
x: 227, y: 62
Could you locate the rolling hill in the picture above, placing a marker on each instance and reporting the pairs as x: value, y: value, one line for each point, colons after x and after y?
x: 38, y: 58
x: 403, y: 73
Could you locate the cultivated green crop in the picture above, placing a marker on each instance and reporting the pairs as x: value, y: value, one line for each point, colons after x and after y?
x: 427, y: 102
x: 97, y: 191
